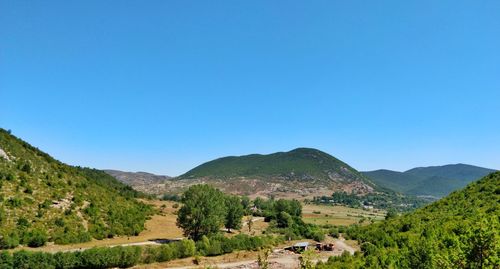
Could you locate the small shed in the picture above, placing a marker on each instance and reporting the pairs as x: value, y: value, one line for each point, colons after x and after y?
x: 301, y: 246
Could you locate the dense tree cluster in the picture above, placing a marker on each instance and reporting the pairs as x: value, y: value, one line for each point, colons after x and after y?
x: 205, y: 210
x: 380, y: 200
x: 285, y: 217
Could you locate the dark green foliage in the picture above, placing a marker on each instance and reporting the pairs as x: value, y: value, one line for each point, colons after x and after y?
x: 380, y: 200
x: 391, y: 213
x: 285, y: 217
x: 171, y: 197
x: 246, y: 203
x: 234, y: 212
x: 110, y: 257
x: 107, y: 181
x: 28, y: 260
x: 284, y: 220
x: 36, y: 238
x: 203, y: 211
x: 3, y: 215
x: 298, y: 164
x: 6, y: 261
x: 459, y: 231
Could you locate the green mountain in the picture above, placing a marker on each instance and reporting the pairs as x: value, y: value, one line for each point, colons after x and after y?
x: 299, y: 173
x: 302, y: 164
x: 435, y: 181
x: 42, y: 199
x: 459, y: 231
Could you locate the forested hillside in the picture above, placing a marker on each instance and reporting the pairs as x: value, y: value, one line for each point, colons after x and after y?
x: 42, y: 199
x: 435, y: 181
x: 298, y: 164
x: 459, y: 231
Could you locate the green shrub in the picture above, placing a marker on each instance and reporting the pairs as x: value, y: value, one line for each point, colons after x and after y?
x: 36, y: 238
x: 9, y: 240
x: 27, y: 260
x: 67, y: 260
x: 186, y: 248
x: 6, y: 261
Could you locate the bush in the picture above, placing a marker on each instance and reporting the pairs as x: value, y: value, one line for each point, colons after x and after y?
x: 27, y: 260
x: 110, y: 257
x: 67, y: 260
x: 36, y: 238
x: 185, y: 248
x: 9, y: 240
x: 6, y: 261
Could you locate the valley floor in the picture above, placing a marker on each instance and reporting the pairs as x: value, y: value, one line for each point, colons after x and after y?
x: 278, y: 259
x: 163, y: 225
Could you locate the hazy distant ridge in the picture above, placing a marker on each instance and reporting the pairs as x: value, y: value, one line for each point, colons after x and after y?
x: 137, y: 178
x: 433, y: 180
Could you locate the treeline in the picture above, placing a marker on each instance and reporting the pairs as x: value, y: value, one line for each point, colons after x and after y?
x: 459, y: 231
x: 382, y: 200
x: 124, y: 257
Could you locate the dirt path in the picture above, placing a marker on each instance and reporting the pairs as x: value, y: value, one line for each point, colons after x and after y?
x: 340, y: 244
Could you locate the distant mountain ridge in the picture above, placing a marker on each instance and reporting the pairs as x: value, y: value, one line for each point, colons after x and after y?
x: 435, y: 181
x: 137, y: 178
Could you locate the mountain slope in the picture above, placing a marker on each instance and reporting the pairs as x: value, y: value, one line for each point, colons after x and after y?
x: 394, y: 180
x: 136, y: 178
x: 298, y: 164
x: 297, y: 169
x: 435, y: 180
x: 459, y: 231
x: 42, y: 198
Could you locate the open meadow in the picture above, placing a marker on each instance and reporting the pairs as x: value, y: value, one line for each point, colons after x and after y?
x: 339, y: 215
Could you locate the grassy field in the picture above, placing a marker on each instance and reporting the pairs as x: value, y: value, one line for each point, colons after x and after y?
x: 338, y: 215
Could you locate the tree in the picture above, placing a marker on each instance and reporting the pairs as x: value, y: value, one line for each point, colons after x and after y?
x: 284, y: 220
x: 234, y: 213
x: 483, y: 244
x: 250, y: 223
x: 391, y: 213
x: 202, y: 212
x: 263, y: 259
x: 245, y: 202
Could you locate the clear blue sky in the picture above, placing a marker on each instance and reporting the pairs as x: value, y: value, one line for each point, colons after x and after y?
x: 162, y: 86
